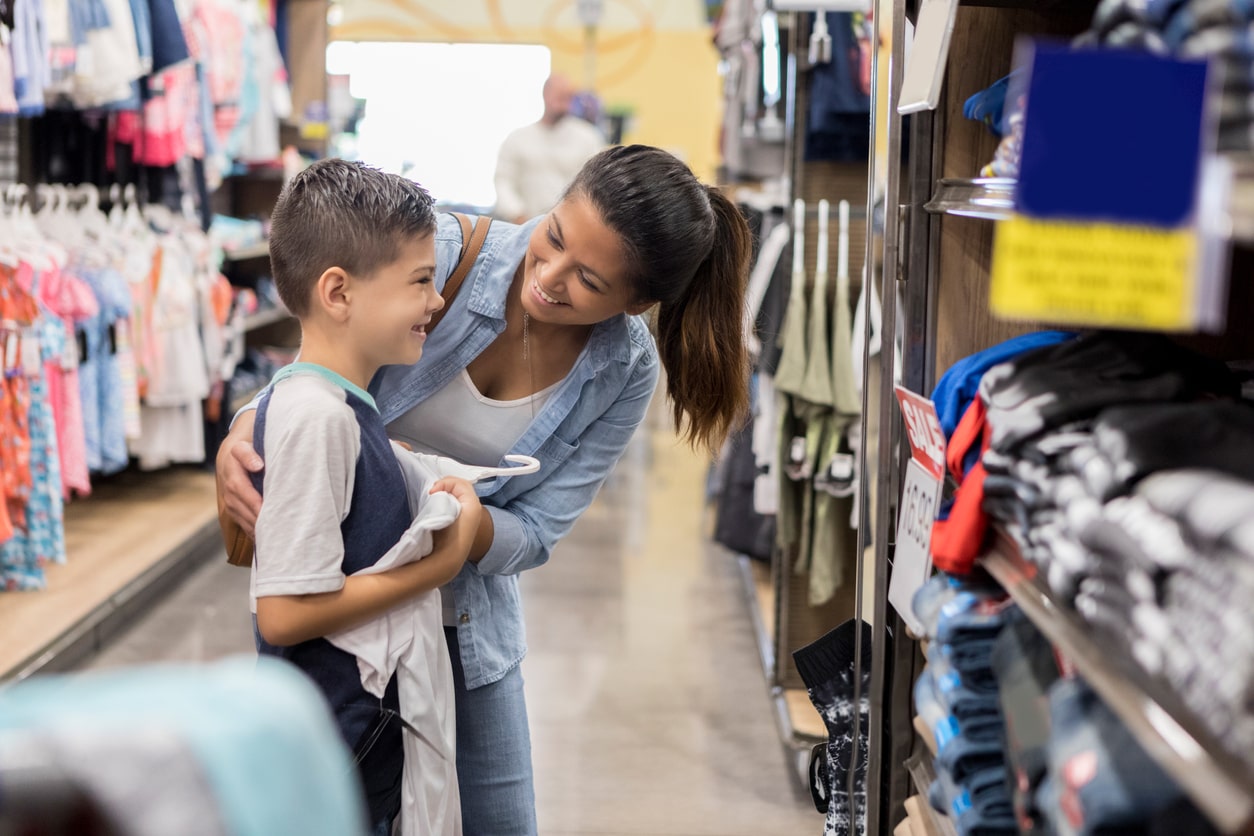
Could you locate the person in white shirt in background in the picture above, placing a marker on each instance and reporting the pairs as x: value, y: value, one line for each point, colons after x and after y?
x: 537, y: 162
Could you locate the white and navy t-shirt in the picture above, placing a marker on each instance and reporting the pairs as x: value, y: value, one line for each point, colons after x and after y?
x: 334, y: 503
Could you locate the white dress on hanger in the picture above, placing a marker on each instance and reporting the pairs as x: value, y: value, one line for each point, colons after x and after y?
x: 171, y: 415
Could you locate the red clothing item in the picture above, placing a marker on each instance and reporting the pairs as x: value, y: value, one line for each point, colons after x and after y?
x: 17, y: 310
x: 958, y: 540
x: 158, y: 133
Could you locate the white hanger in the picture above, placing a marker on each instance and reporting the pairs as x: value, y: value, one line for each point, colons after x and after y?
x: 116, y: 210
x: 817, y: 379
x: 471, y: 473
x: 29, y: 242
x: 90, y: 214
x: 133, y: 220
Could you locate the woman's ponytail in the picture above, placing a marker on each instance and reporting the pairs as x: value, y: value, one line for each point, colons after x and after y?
x: 689, y: 249
x: 700, y: 336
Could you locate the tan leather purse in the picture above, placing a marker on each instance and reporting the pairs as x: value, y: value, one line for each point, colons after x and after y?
x: 239, y: 545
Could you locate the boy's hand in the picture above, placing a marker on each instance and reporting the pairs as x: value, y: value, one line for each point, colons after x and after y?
x: 453, y: 543
x: 237, y: 459
x: 464, y: 492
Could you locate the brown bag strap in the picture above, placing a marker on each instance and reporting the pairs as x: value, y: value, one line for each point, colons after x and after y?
x: 472, y: 243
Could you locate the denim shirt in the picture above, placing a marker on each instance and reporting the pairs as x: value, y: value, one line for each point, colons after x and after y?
x: 578, y: 436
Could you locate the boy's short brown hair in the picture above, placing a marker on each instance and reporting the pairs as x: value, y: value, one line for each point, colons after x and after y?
x: 339, y: 213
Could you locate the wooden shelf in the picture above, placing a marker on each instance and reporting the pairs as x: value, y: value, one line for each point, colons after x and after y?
x: 265, y: 317
x: 135, y: 529
x: 1218, y: 783
x: 804, y: 718
x: 259, y: 250
x: 922, y: 775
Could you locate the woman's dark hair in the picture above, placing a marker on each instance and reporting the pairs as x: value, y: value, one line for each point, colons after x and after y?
x: 688, y: 248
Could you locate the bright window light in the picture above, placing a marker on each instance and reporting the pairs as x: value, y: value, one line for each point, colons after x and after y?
x: 437, y: 113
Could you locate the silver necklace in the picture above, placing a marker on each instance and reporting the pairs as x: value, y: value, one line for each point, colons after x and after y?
x: 531, y: 371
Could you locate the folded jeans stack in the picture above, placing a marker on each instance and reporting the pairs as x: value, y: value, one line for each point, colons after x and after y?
x: 957, y: 698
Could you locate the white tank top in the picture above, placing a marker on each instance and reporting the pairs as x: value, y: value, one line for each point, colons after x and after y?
x: 460, y: 423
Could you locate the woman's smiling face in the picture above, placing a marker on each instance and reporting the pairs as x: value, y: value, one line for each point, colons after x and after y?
x: 576, y: 268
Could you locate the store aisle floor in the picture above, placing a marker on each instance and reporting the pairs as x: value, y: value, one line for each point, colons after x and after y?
x: 649, y: 712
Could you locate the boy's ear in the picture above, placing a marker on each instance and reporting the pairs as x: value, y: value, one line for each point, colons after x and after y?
x: 331, y: 293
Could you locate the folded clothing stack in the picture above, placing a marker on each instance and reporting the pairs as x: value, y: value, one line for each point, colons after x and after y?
x: 956, y: 697
x: 1123, y: 466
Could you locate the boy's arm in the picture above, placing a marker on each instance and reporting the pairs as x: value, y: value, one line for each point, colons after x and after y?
x: 290, y: 619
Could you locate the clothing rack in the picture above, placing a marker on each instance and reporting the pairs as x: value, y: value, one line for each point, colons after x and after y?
x: 938, y: 251
x: 777, y: 597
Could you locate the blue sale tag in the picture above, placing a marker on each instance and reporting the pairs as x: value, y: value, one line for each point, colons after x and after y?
x: 1112, y: 135
x: 1109, y: 228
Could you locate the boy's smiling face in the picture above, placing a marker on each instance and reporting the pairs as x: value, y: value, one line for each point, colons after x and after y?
x: 391, y: 309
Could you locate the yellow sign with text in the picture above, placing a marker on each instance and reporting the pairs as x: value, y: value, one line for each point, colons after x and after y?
x: 1095, y: 274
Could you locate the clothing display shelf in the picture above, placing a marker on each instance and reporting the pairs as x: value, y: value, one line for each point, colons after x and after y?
x: 267, y: 316
x: 937, y: 254
x: 992, y: 198
x: 978, y: 197
x: 782, y: 617
x: 1220, y: 785
x: 259, y: 250
x: 798, y: 723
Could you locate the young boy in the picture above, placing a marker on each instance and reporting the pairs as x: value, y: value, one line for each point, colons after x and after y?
x: 353, y: 256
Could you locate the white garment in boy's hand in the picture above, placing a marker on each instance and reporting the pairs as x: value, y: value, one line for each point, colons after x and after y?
x: 408, y: 640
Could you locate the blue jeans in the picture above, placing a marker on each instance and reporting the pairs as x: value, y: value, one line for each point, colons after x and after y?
x: 493, y: 754
x: 1100, y: 775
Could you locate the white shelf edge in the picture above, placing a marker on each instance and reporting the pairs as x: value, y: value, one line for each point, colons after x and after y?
x: 990, y: 198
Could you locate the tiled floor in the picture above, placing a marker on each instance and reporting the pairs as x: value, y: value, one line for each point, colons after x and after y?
x: 649, y: 713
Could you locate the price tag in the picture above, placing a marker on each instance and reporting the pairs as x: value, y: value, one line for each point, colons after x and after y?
x: 912, y: 559
x: 1119, y: 236
x: 928, y: 56
x: 920, y: 497
x: 1095, y: 274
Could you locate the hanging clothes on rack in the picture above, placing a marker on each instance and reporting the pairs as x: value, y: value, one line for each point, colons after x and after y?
x: 31, y: 74
x: 33, y: 336
x: 818, y: 407
x: 838, y: 127
x: 71, y: 302
x: 738, y: 524
x: 171, y: 416
x: 40, y: 537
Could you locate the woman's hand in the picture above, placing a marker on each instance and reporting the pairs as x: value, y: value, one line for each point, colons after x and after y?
x: 235, y: 462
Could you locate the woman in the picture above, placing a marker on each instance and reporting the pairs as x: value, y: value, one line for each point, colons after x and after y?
x: 543, y: 353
